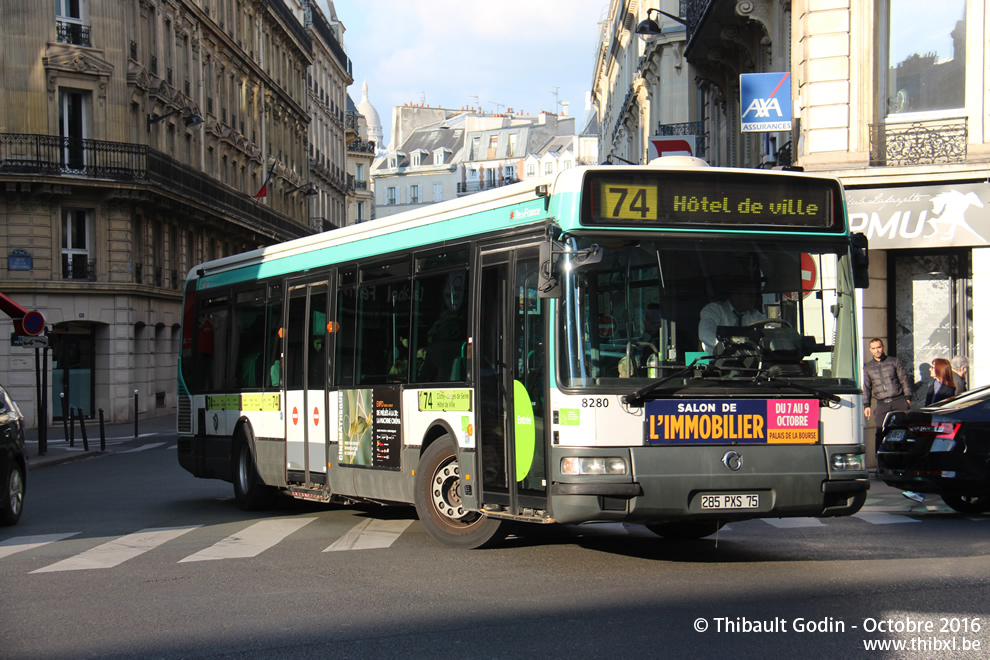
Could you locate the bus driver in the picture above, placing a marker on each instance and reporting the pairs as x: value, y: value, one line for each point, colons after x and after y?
x: 739, y: 309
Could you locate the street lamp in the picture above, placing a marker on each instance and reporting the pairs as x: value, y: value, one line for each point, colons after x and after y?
x: 650, y: 28
x: 310, y: 192
x: 192, y: 120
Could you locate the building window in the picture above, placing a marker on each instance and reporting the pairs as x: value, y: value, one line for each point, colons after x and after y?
x: 361, y: 217
x: 76, y: 230
x: 437, y: 192
x: 393, y: 162
x: 74, y: 110
x: 530, y: 169
x: 512, y: 144
x: 390, y: 196
x: 926, y: 59
x: 492, y: 146
x: 414, y: 194
x: 548, y: 167
x: 70, y: 22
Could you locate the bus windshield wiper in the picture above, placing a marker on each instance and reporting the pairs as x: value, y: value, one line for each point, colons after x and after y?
x: 828, y: 397
x: 637, y: 397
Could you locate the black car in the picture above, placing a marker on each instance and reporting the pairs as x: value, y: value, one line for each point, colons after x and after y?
x: 13, y: 463
x: 942, y: 449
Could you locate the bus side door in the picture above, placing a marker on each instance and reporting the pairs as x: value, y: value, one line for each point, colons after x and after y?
x: 305, y: 369
x: 511, y: 382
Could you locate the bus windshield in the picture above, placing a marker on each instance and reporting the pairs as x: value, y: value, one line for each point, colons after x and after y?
x: 740, y: 309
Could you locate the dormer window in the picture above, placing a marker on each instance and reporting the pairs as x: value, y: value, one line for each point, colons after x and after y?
x: 417, y: 158
x: 393, y: 162
x: 440, y: 156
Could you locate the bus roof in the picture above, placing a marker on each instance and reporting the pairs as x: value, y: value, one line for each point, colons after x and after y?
x: 506, y: 207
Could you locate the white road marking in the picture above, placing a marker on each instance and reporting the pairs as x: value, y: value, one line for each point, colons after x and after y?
x: 118, y: 551
x: 793, y: 523
x: 370, y: 534
x: 879, y: 518
x: 142, y: 448
x: 252, y: 541
x: 22, y: 543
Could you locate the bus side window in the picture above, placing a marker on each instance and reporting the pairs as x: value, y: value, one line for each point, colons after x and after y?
x: 345, y: 337
x: 440, y: 328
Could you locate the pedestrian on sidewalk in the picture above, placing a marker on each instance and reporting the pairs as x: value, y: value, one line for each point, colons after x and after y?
x: 885, y: 379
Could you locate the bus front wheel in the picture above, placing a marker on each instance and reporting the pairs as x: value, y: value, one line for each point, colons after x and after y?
x: 250, y: 493
x: 439, y: 505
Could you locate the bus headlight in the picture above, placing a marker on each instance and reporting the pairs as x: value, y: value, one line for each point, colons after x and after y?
x: 853, y: 462
x: 577, y: 465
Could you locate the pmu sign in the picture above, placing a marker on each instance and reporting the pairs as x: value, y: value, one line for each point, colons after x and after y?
x: 766, y: 102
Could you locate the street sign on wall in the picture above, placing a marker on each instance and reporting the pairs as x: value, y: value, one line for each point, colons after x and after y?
x: 765, y: 99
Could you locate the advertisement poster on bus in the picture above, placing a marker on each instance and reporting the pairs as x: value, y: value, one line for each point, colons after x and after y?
x: 743, y: 421
x: 370, y: 430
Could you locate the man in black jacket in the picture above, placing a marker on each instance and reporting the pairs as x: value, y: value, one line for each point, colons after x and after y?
x: 885, y: 379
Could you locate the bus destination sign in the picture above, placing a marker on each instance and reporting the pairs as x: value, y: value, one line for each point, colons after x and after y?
x: 736, y: 200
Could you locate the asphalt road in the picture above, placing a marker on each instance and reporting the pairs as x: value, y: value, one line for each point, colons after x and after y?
x: 123, y: 554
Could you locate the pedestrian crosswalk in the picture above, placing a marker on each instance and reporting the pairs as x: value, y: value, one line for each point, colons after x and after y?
x: 360, y: 533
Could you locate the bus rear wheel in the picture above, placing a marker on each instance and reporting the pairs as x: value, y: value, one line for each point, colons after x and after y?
x: 439, y: 504
x: 686, y: 530
x: 250, y: 493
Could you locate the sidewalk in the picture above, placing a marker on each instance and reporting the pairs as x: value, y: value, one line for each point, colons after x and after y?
x: 59, y: 450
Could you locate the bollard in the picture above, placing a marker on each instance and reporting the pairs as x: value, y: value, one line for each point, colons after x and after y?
x: 135, y: 414
x: 72, y: 429
x: 82, y: 429
x: 65, y: 416
x: 103, y: 433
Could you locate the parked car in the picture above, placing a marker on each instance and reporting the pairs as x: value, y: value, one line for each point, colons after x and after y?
x: 943, y: 449
x: 13, y: 462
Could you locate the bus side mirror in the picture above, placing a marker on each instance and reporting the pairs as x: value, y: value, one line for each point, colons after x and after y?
x: 548, y: 282
x: 861, y: 261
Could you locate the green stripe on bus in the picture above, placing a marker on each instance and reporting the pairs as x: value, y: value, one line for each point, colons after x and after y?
x: 525, y: 427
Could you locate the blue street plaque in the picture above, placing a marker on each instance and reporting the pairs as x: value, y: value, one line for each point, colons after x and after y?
x: 19, y: 259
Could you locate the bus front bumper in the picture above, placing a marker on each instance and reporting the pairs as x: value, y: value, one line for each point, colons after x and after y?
x: 676, y: 483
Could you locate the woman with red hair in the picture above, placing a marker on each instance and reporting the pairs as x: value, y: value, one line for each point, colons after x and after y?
x: 942, y: 386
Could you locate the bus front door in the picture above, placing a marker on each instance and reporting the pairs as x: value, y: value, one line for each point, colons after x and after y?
x: 511, y: 383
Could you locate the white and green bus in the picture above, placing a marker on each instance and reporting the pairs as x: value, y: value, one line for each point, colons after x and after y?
x: 534, y: 354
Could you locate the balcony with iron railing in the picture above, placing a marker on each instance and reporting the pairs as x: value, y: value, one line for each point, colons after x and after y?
x: 137, y: 164
x: 695, y: 128
x: 78, y: 267
x: 468, y: 187
x: 75, y: 34
x: 931, y: 142
x: 361, y: 147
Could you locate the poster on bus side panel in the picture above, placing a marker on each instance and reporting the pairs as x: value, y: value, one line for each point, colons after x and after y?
x: 370, y: 430
x: 723, y: 421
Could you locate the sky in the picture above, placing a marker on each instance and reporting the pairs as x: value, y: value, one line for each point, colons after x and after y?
x: 527, y: 55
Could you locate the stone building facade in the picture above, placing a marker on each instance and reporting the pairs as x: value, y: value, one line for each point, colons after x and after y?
x: 134, y: 138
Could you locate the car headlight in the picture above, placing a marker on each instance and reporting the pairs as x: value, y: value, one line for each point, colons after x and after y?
x: 854, y: 462
x: 577, y: 465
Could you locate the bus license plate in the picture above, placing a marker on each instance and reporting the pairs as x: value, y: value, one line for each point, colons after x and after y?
x: 737, y: 501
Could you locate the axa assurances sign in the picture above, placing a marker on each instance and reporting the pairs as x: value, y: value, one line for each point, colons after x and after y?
x: 765, y: 99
